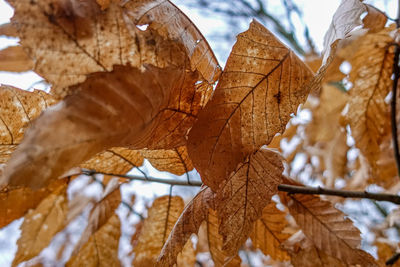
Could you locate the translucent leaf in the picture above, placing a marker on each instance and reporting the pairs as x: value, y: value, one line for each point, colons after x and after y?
x: 262, y: 85
x: 41, y: 224
x: 267, y: 234
x: 243, y: 196
x: 104, y: 39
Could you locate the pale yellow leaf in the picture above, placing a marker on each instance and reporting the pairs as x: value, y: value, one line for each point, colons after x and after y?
x: 345, y: 19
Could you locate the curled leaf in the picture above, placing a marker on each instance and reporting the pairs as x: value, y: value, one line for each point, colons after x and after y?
x: 188, y: 223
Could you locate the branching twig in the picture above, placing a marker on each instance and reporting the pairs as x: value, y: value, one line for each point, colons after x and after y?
x: 292, y: 189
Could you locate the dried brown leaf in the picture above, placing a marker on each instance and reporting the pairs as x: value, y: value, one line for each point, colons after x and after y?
x: 17, y: 109
x: 161, y: 218
x: 385, y: 252
x: 117, y: 160
x: 175, y: 160
x: 242, y: 197
x: 41, y: 224
x: 219, y: 256
x: 345, y: 19
x: 304, y: 253
x: 14, y: 203
x: 104, y: 39
x: 8, y: 30
x: 327, y: 227
x: 154, y: 108
x: 14, y: 58
x: 375, y: 20
x: 188, y: 223
x: 369, y: 115
x: 99, y: 216
x: 267, y: 234
x: 171, y: 23
x: 262, y: 84
x: 326, y: 116
x: 102, y: 247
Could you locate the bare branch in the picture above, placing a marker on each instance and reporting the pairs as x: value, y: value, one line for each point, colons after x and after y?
x: 292, y: 189
x: 146, y: 179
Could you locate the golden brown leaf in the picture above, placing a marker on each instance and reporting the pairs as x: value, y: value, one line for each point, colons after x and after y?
x: 242, y: 197
x: 261, y: 86
x: 267, y: 233
x: 134, y: 108
x: 164, y: 17
x: 161, y: 218
x: 188, y: 223
x: 385, y: 252
x: 175, y: 160
x: 325, y: 121
x: 327, y: 228
x: 304, y: 253
x: 14, y: 203
x: 219, y: 256
x: 369, y: 115
x: 99, y: 216
x: 14, y: 58
x: 41, y: 224
x: 48, y: 30
x: 102, y: 247
x: 8, y: 30
x: 117, y: 160
x: 17, y: 109
x: 375, y: 20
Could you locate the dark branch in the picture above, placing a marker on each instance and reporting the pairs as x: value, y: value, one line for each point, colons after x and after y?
x: 292, y: 189
x: 393, y: 259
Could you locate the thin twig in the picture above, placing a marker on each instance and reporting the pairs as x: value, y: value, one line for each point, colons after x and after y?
x: 396, y: 72
x: 146, y: 179
x: 292, y: 189
x: 393, y: 259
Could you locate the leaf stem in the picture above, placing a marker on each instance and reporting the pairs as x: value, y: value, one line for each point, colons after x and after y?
x: 292, y: 189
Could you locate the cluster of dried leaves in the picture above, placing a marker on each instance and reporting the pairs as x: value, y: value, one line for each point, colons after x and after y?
x: 121, y: 94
